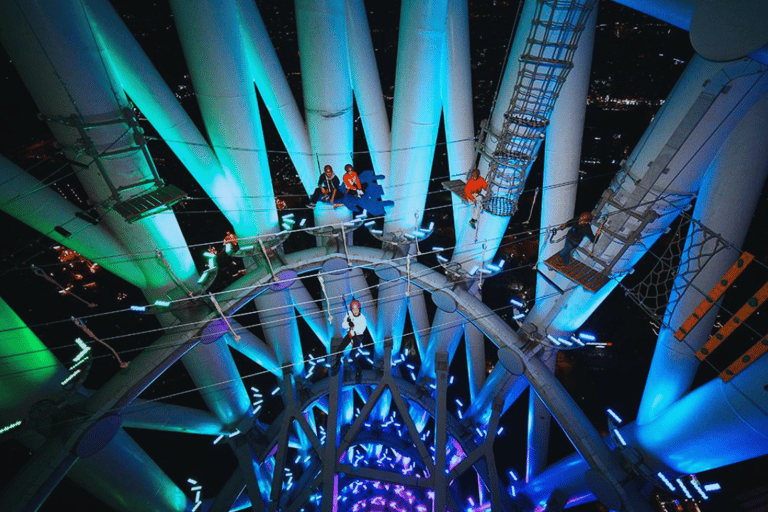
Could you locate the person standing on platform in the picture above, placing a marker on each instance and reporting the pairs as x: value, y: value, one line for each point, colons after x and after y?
x: 356, y: 326
x: 580, y: 228
x: 476, y: 184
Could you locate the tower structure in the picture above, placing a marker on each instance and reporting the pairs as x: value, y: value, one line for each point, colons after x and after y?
x: 325, y: 424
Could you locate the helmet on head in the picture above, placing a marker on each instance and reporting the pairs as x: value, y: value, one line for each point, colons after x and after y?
x: 585, y: 217
x: 328, y: 168
x: 348, y: 167
x: 355, y: 304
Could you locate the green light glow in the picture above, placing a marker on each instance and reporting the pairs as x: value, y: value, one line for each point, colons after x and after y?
x: 26, y: 364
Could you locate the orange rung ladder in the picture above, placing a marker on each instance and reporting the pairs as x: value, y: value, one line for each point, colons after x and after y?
x: 714, y: 295
x: 749, y: 357
x: 735, y: 321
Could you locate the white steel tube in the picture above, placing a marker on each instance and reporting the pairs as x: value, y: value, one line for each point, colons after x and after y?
x: 216, y: 376
x: 70, y: 82
x: 456, y: 78
x: 367, y: 86
x: 705, y: 105
x: 211, y: 39
x: 277, y: 317
x: 270, y: 79
x: 724, y: 205
x: 416, y: 112
x: 326, y: 82
x: 562, y: 152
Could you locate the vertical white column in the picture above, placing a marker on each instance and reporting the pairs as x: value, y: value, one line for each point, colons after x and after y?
x: 326, y: 82
x: 416, y: 115
x: 367, y: 86
x: 146, y: 88
x: 491, y: 228
x: 269, y: 77
x: 458, y: 114
x: 211, y: 39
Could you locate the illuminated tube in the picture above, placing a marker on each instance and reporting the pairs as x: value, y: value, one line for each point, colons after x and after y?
x: 124, y: 477
x: 43, y: 209
x: 30, y: 371
x: 214, y: 372
x: 274, y: 90
x: 157, y: 102
x: 674, y: 365
x: 281, y: 331
x: 562, y: 155
x: 326, y: 82
x: 701, y: 81
x: 367, y: 86
x: 224, y: 90
x: 490, y: 227
x: 416, y: 111
x: 456, y: 79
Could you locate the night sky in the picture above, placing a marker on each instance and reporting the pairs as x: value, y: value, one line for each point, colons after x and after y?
x: 635, y: 58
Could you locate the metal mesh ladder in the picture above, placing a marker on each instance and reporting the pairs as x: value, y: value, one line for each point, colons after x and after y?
x: 545, y: 62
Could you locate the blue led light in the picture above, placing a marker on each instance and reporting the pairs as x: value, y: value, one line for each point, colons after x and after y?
x: 666, y: 481
x: 516, y: 302
x: 614, y: 415
x: 587, y: 336
x: 684, y: 488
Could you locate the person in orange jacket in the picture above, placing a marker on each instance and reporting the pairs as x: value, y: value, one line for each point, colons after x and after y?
x: 352, y: 181
x: 473, y: 193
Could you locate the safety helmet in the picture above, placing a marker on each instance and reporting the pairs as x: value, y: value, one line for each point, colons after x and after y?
x: 328, y: 168
x: 348, y: 167
x: 585, y: 217
x: 355, y: 304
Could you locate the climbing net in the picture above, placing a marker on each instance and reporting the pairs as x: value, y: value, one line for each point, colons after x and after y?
x: 675, y: 269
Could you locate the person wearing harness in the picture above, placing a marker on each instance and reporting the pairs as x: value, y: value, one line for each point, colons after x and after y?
x: 352, y: 182
x: 473, y: 192
x: 327, y: 188
x: 580, y: 228
x: 356, y: 325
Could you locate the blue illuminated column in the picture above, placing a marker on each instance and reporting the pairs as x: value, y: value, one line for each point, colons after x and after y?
x: 213, y: 48
x: 326, y: 82
x: 367, y: 86
x: 458, y: 113
x: 670, y: 160
x: 146, y: 88
x: 71, y: 86
x: 273, y: 87
x: 724, y: 206
x: 491, y: 227
x: 562, y: 155
x: 416, y: 112
x: 277, y: 317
